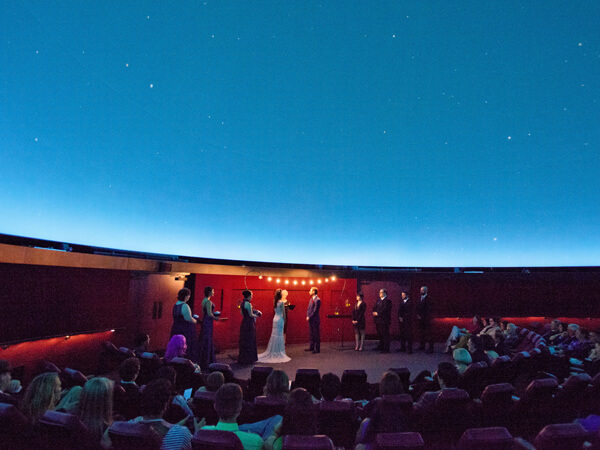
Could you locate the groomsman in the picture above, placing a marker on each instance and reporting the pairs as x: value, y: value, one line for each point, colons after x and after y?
x: 314, y: 321
x: 405, y: 314
x: 425, y: 316
x: 382, y: 313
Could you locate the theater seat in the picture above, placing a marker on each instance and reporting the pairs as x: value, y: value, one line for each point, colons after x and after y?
x: 225, y: 369
x: 404, y: 375
x: 257, y: 382
x: 265, y: 407
x: 339, y: 421
x: 203, y: 405
x: 133, y: 436
x: 61, y: 430
x: 473, y: 378
x: 216, y: 439
x: 496, y: 404
x: 186, y: 376
x: 493, y: 438
x: 451, y: 416
x: 535, y: 408
x: 307, y: 443
x: 563, y: 436
x: 354, y: 384
x: 15, y: 429
x: 309, y: 379
x: 149, y: 365
x: 393, y: 441
x: 72, y: 377
x: 571, y: 398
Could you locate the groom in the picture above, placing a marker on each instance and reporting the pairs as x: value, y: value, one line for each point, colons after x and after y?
x: 314, y: 321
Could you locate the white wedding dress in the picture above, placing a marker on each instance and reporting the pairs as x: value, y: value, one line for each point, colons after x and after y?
x: 275, y: 352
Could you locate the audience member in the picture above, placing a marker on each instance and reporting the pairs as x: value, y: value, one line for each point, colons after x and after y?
x: 447, y: 377
x: 168, y: 373
x: 128, y: 372
x: 228, y: 405
x: 277, y: 385
x: 156, y: 396
x: 462, y: 359
x: 8, y: 386
x: 141, y: 343
x: 213, y: 382
x: 42, y: 394
x: 177, y: 348
x: 476, y: 350
x: 458, y: 333
x: 95, y: 409
x: 512, y: 338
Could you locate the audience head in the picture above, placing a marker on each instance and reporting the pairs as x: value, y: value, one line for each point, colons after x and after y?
x: 214, y: 381
x: 228, y: 402
x: 278, y: 384
x: 504, y: 325
x: 129, y: 369
x: 582, y: 334
x: 96, y: 405
x: 447, y: 375
x: 462, y: 356
x: 572, y: 328
x: 390, y: 384
x: 184, y: 295
x: 247, y: 294
x: 299, y: 416
x: 554, y: 325
x: 167, y: 373
x: 475, y: 343
x: 176, y: 347
x: 511, y: 329
x: 498, y: 335
x: 477, y: 321
x: 42, y: 394
x: 155, y: 397
x: 141, y: 341
x: 330, y: 386
x: 209, y: 291
x: 5, y: 375
x: 495, y: 321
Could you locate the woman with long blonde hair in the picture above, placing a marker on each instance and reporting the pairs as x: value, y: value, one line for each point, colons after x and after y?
x: 42, y: 394
x: 96, y: 408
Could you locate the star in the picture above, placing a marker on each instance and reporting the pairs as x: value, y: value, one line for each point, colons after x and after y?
x: 151, y: 85
x: 509, y: 138
x: 36, y: 139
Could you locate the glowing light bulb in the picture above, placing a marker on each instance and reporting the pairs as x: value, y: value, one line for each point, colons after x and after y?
x: 311, y: 282
x: 295, y: 282
x: 287, y: 281
x: 278, y: 280
x: 269, y: 279
x: 319, y: 281
x: 303, y: 282
x: 326, y: 280
x: 332, y: 278
x: 260, y: 277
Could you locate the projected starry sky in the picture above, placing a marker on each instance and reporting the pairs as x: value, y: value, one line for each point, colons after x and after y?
x: 386, y: 133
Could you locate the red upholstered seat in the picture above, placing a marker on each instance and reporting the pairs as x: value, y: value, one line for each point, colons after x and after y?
x: 225, y: 369
x: 216, y: 439
x: 307, y: 443
x: 258, y: 380
x: 339, y: 421
x: 496, y: 404
x: 149, y: 365
x: 61, y: 430
x: 571, y: 398
x: 15, y: 429
x: 392, y: 441
x: 72, y: 377
x: 473, y: 379
x: 186, y: 376
x: 133, y: 436
x: 535, y: 408
x: 563, y: 436
x: 265, y: 407
x: 493, y: 438
x: 354, y: 384
x: 203, y: 405
x: 404, y: 375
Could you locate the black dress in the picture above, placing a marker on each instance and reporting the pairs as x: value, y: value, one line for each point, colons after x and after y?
x: 248, y: 353
x: 207, y: 349
x: 358, y: 315
x: 188, y: 329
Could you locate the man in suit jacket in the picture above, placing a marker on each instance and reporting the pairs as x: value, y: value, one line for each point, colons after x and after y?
x: 405, y: 312
x: 314, y: 321
x: 382, y: 313
x: 425, y: 316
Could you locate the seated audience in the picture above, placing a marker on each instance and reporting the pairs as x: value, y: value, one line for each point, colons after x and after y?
x: 141, y: 343
x: 331, y: 387
x: 277, y: 385
x: 595, y: 352
x: 458, y: 336
x: 476, y: 350
x: 389, y: 384
x: 580, y: 346
x: 551, y: 330
x: 228, y: 405
x: 447, y: 377
x: 42, y: 394
x: 8, y: 386
x: 95, y: 409
x: 512, y: 339
x: 299, y: 418
x: 128, y: 372
x: 176, y: 348
x: 213, y: 382
x: 462, y: 359
x: 500, y: 346
x: 571, y: 336
x: 180, y: 403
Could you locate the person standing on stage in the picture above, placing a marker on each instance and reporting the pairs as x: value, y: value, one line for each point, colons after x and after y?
x: 425, y: 317
x: 405, y: 312
x: 185, y: 323
x: 248, y: 354
x: 382, y: 312
x: 314, y: 321
x: 358, y: 322
x: 207, y: 349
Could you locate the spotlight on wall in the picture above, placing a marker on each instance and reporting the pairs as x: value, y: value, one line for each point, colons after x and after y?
x: 311, y: 282
x: 260, y: 277
x: 326, y: 280
x: 277, y: 280
x: 269, y: 279
x: 287, y: 281
x: 295, y: 281
x: 112, y: 331
x: 303, y: 282
x: 318, y: 281
x: 332, y: 277
x: 67, y: 338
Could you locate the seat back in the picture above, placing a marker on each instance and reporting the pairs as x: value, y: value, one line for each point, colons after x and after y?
x: 203, y: 405
x: 149, y: 365
x: 451, y: 416
x: 61, y: 430
x: 339, y: 421
x: 565, y: 436
x: 258, y: 380
x: 71, y: 377
x: 492, y: 438
x: 225, y: 369
x: 216, y: 439
x: 14, y: 427
x: 185, y: 373
x: 473, y: 379
x: 133, y: 436
x: 404, y: 375
x: 265, y: 407
x: 354, y: 384
x: 309, y: 379
x: 393, y: 441
x: 317, y: 442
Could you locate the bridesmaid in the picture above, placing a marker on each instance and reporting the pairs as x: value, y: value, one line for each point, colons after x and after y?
x: 358, y: 321
x: 184, y: 323
x: 207, y: 349
x: 248, y: 354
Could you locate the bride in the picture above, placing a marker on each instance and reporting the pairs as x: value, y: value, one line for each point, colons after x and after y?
x: 275, y: 352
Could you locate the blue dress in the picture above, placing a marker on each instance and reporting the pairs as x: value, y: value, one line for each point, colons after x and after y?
x: 188, y: 329
x: 207, y: 349
x: 248, y: 353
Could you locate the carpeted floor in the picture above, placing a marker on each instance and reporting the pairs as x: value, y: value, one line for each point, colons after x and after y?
x: 334, y: 358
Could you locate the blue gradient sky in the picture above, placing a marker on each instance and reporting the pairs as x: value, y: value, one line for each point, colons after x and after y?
x: 386, y: 133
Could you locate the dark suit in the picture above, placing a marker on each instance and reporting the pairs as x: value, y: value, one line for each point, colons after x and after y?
x: 314, y: 323
x: 424, y: 309
x: 383, y: 308
x: 358, y: 315
x: 405, y: 312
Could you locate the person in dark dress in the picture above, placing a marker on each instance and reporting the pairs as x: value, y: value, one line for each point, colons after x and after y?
x: 184, y: 323
x: 207, y: 349
x: 382, y: 313
x: 424, y: 311
x: 248, y: 354
x: 405, y: 313
x: 358, y: 321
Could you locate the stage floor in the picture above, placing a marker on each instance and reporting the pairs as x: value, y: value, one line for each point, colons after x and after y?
x: 336, y: 359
